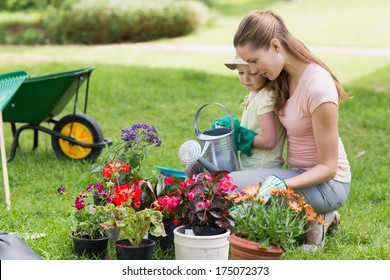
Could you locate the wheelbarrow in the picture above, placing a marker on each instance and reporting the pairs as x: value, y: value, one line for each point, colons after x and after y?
x: 40, y: 99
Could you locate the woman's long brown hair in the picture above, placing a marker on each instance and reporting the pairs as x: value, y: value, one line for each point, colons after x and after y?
x: 258, y: 28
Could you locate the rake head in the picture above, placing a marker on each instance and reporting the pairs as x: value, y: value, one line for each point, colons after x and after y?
x: 9, y: 84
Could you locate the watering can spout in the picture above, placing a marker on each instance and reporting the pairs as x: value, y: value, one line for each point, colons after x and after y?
x: 208, y: 165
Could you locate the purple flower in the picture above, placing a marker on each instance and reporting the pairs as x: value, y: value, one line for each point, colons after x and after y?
x: 61, y: 189
x: 141, y: 132
x: 79, y: 203
x: 89, y: 188
x: 99, y: 189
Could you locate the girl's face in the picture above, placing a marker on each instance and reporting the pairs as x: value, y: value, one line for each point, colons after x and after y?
x: 265, y: 62
x: 252, y: 82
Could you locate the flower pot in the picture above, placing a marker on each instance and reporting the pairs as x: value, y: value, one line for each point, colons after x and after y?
x: 243, y: 249
x: 125, y: 251
x: 165, y: 242
x: 92, y: 248
x: 98, y: 200
x: 192, y: 247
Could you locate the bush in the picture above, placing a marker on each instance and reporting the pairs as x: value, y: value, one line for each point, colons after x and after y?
x: 100, y: 21
x: 18, y: 5
x: 20, y: 28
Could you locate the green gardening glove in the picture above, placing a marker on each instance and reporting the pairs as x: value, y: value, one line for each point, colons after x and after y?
x: 242, y: 138
x: 245, y: 140
x: 225, y: 122
x: 272, y: 182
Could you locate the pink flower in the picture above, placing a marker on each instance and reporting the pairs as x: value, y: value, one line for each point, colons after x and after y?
x: 191, y: 196
x: 226, y: 184
x: 79, y: 203
x: 200, y: 204
x: 207, y: 203
x: 189, y: 182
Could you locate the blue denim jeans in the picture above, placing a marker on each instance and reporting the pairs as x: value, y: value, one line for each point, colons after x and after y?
x: 324, y: 198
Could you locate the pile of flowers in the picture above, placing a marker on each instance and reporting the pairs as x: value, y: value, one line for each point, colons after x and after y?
x: 119, y: 190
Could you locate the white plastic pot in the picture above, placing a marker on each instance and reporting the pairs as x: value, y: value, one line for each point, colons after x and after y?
x: 192, y: 247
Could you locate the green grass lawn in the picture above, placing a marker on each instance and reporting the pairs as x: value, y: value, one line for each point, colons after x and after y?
x: 165, y: 87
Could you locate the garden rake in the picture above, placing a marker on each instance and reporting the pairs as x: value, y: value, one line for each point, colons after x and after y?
x: 9, y: 84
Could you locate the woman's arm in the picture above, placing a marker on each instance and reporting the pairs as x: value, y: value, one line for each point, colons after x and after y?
x: 268, y: 138
x: 325, y: 129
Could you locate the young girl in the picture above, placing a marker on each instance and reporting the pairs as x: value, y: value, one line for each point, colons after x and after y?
x: 258, y: 115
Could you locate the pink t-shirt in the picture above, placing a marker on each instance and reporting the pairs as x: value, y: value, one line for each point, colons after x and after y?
x: 315, y: 87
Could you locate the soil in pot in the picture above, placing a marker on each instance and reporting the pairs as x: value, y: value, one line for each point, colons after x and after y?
x: 205, y: 231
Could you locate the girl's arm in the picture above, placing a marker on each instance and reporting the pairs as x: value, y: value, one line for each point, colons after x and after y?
x: 268, y: 138
x: 325, y: 129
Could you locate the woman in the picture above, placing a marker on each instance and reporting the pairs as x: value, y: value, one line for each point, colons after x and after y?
x: 307, y: 96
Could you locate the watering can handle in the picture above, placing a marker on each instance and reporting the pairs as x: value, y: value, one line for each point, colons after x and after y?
x: 223, y: 106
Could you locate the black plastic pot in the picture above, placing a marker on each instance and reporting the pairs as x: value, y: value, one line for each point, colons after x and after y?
x: 165, y: 242
x: 97, y: 200
x: 92, y: 248
x: 125, y: 251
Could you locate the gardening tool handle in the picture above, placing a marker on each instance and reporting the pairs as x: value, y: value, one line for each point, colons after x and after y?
x: 219, y: 104
x: 4, y: 162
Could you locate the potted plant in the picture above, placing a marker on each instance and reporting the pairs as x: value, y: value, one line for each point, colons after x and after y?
x: 264, y: 229
x: 125, y: 213
x: 204, y: 212
x: 89, y: 237
x: 131, y: 150
x: 120, y: 164
x: 161, y: 196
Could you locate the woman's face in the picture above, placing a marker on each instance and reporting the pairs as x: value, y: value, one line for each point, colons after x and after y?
x: 252, y: 82
x: 266, y: 62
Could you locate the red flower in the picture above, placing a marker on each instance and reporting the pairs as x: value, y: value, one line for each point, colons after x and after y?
x: 113, y: 167
x: 176, y: 221
x: 169, y: 180
x: 137, y: 197
x: 127, y: 193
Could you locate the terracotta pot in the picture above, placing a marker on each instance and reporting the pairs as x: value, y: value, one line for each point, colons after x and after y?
x: 243, y: 249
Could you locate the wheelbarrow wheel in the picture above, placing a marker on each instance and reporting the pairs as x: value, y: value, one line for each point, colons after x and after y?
x: 82, y: 128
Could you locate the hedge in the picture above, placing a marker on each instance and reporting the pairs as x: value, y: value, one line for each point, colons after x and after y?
x: 108, y: 21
